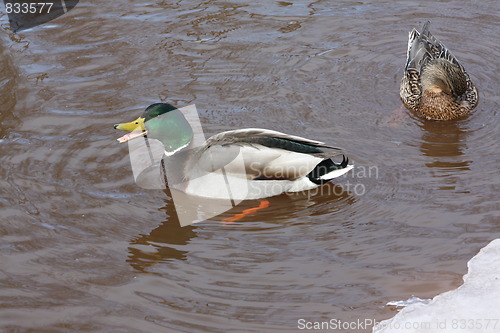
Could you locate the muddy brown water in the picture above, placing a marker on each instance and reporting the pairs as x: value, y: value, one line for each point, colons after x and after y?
x: 83, y: 249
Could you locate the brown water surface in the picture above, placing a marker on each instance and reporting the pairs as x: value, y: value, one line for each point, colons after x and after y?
x: 84, y: 249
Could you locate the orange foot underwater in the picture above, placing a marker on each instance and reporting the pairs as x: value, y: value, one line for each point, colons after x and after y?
x: 236, y: 217
x: 397, y: 116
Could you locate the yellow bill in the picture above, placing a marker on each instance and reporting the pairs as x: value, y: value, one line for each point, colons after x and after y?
x: 136, y: 129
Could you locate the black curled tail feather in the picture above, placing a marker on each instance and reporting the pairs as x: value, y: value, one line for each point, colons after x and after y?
x: 325, y: 167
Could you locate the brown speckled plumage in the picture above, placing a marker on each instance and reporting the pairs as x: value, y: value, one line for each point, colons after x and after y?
x: 434, y: 84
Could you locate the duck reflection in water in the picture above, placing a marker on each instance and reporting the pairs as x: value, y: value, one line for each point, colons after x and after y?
x: 445, y: 145
x: 169, y: 241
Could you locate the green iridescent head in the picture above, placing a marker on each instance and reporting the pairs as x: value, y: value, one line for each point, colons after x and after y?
x: 163, y: 122
x: 167, y: 124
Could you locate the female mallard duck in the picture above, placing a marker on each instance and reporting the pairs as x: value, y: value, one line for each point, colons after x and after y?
x: 435, y: 85
x: 271, y: 162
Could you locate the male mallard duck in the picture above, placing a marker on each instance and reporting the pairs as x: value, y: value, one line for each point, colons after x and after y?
x: 435, y: 85
x: 272, y: 162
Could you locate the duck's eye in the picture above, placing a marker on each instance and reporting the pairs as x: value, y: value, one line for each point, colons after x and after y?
x: 137, y: 123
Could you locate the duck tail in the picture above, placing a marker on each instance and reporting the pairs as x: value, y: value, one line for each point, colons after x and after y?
x: 423, y: 47
x: 425, y: 29
x: 419, y: 45
x: 327, y: 170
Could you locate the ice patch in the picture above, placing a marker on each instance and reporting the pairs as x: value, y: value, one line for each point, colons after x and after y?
x: 410, y: 301
x: 472, y: 307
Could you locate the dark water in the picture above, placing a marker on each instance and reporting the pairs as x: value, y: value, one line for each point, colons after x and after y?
x: 84, y: 249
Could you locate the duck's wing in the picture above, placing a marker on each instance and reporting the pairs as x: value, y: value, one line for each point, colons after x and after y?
x: 424, y: 47
x: 271, y: 139
x: 265, y: 154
